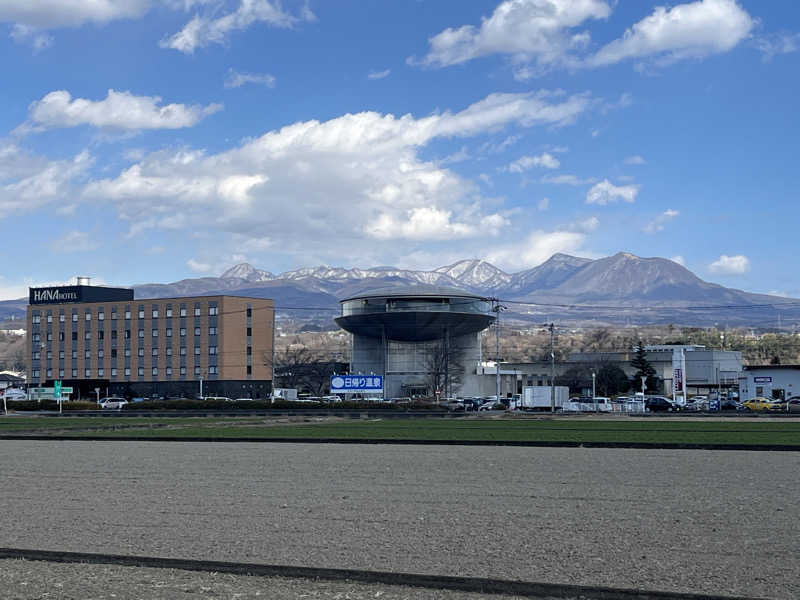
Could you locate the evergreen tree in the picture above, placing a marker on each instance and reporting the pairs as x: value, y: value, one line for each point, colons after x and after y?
x: 643, y: 369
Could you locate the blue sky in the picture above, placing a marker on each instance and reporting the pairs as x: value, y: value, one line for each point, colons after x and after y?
x: 152, y: 140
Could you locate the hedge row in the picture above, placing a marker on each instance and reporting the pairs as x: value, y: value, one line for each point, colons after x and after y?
x: 29, y: 405
x: 264, y: 405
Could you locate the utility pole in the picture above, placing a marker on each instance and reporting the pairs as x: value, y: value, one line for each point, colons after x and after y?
x: 552, y: 368
x: 497, y: 309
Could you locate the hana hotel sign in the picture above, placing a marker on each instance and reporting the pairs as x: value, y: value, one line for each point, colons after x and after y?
x: 53, y: 295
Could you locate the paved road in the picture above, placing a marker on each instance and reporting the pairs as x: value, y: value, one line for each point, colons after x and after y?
x: 694, y: 521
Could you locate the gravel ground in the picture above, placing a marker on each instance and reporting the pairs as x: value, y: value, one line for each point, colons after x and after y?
x: 675, y: 520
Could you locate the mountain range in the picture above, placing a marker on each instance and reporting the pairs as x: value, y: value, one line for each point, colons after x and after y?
x: 623, y: 288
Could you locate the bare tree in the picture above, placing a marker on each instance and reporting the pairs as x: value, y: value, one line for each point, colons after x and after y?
x: 443, y: 365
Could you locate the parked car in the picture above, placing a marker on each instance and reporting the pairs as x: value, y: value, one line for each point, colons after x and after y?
x: 453, y: 405
x: 792, y: 405
x: 660, y: 404
x: 492, y: 405
x: 759, y: 403
x: 218, y: 399
x: 112, y: 403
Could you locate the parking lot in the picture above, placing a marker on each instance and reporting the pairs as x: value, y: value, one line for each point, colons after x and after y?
x: 674, y: 520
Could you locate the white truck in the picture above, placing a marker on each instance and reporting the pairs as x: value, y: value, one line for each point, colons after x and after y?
x: 538, y: 397
x: 284, y: 394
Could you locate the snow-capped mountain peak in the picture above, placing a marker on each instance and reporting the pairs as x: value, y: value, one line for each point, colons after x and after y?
x: 248, y: 272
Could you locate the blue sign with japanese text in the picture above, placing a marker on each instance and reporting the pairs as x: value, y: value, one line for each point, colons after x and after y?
x: 356, y: 384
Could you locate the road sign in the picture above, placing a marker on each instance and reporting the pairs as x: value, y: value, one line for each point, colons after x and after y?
x: 355, y: 384
x: 57, y: 389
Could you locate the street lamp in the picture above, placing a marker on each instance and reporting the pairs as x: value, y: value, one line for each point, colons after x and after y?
x: 594, y: 390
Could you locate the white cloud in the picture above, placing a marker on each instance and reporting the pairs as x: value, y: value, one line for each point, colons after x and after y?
x: 235, y: 79
x: 546, y: 160
x: 379, y: 74
x: 25, y: 34
x: 635, y: 160
x: 202, y: 31
x: 679, y: 259
x: 536, y: 248
x: 543, y: 204
x: 730, y: 265
x: 567, y: 179
x: 74, y: 241
x: 49, y: 14
x: 658, y: 223
x: 586, y: 225
x: 690, y: 30
x: 119, y: 110
x: 537, y: 34
x: 605, y: 192
x: 778, y: 43
x: 197, y: 266
x: 312, y: 184
x: 28, y: 182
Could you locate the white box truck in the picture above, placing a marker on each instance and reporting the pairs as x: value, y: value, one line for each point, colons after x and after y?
x: 538, y: 397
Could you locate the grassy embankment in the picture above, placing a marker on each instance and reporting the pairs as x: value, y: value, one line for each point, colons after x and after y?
x: 498, y: 430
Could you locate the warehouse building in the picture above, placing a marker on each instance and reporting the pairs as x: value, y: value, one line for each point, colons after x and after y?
x: 94, y: 337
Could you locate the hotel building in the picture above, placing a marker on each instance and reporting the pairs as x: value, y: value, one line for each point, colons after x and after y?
x: 100, y: 337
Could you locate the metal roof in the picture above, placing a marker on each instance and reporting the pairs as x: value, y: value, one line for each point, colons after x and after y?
x: 414, y: 291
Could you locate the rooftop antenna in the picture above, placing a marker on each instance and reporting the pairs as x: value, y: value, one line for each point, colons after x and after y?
x: 83, y: 280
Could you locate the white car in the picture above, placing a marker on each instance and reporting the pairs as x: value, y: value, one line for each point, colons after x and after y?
x: 113, y: 403
x: 15, y: 394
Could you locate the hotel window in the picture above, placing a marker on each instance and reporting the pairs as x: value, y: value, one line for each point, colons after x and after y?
x: 74, y: 317
x: 197, y: 350
x: 249, y: 312
x: 36, y: 319
x: 113, y: 371
x: 213, y: 311
x: 183, y: 350
x: 183, y: 312
x: 127, y: 351
x: 127, y: 334
x: 249, y: 370
x: 155, y: 313
x: 155, y: 332
x: 141, y: 313
x: 197, y: 370
x: 101, y: 353
x: 249, y: 331
x: 61, y: 373
x: 36, y: 337
x: 87, y: 335
x: 61, y: 355
x: 169, y: 312
x: 36, y: 373
x: 183, y: 370
x: 169, y: 371
x: 74, y: 336
x: 212, y: 369
x: 75, y: 354
x: 100, y: 372
x: 49, y: 318
x: 113, y: 334
x: 60, y: 336
x: 101, y: 316
x: 87, y: 373
x: 141, y: 351
x: 154, y: 371
x: 101, y: 335
x: 196, y: 331
x: 37, y: 355
x: 61, y: 318
x: 49, y: 373
x: 128, y: 314
x: 168, y: 332
x: 183, y: 331
x: 113, y: 315
x: 197, y: 311
x: 141, y: 333
x: 212, y: 349
x: 49, y: 336
x: 127, y: 371
x: 141, y: 371
x: 88, y: 315
x: 155, y: 351
x: 113, y: 353
x: 74, y: 373
x: 212, y: 331
x: 169, y: 350
x: 49, y: 355
x: 87, y: 354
